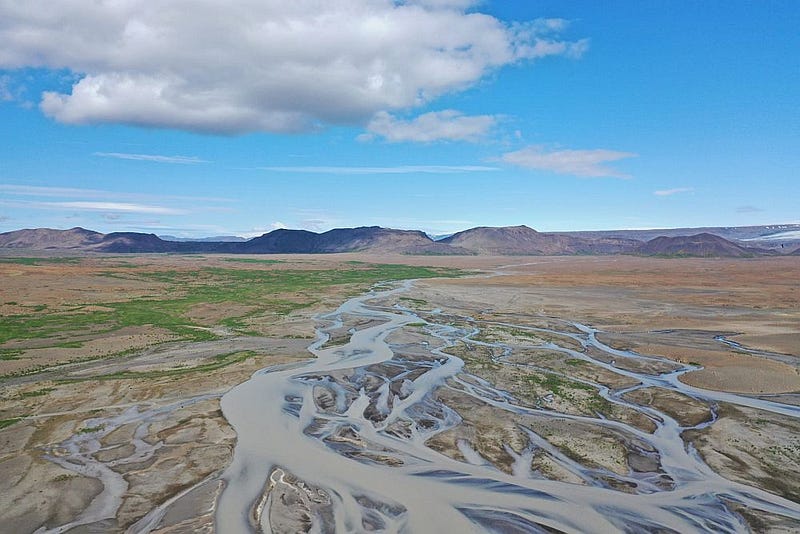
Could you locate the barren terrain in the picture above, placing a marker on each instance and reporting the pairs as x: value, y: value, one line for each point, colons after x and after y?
x: 113, y: 369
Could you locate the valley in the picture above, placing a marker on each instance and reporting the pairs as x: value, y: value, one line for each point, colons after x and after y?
x: 328, y: 393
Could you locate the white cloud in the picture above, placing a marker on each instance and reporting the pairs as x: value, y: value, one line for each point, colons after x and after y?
x: 114, y: 207
x: 5, y: 90
x: 457, y: 4
x: 318, y: 219
x: 400, y: 169
x: 183, y: 160
x: 45, y: 191
x: 270, y: 65
x: 449, y: 125
x: 74, y: 192
x: 255, y: 232
x: 316, y: 225
x: 321, y: 224
x: 585, y: 163
x: 673, y: 191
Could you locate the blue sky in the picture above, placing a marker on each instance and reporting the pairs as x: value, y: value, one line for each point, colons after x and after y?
x: 437, y: 115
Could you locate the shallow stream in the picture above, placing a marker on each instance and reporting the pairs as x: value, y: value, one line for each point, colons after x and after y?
x: 339, y: 445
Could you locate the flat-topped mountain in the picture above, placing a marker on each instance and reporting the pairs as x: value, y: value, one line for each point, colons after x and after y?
x: 522, y: 240
x: 338, y: 240
x: 282, y: 241
x: 80, y: 239
x: 47, y: 238
x: 372, y: 238
x: 365, y: 238
x: 703, y: 245
x: 134, y: 242
x: 501, y: 240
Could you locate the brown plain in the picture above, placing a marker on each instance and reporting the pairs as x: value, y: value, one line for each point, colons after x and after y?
x: 653, y: 305
x: 670, y: 307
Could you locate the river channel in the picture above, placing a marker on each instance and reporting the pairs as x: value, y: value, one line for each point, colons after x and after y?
x: 339, y: 444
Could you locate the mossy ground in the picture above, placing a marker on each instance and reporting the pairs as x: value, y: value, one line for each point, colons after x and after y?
x: 238, y: 290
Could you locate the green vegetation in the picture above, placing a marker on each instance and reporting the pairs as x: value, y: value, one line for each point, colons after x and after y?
x: 600, y: 405
x: 217, y: 362
x: 557, y: 385
x: 69, y: 345
x: 28, y: 326
x: 255, y: 293
x: 91, y: 429
x: 497, y: 333
x: 36, y: 393
x: 252, y: 260
x: 10, y: 354
x: 493, y: 334
x: 518, y: 332
x: 39, y: 261
x: 476, y: 361
x: 564, y: 387
x: 418, y: 302
x: 8, y: 422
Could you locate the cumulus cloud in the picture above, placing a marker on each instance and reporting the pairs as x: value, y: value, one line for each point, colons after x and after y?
x: 448, y: 125
x: 182, y: 160
x: 270, y: 65
x: 673, y: 191
x: 585, y: 163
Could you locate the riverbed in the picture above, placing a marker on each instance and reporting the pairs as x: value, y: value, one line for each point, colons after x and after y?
x: 342, y: 443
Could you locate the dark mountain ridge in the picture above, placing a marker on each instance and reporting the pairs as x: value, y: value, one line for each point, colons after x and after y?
x: 47, y: 238
x: 522, y: 240
x: 503, y: 241
x: 699, y: 245
x: 281, y: 241
x: 770, y: 236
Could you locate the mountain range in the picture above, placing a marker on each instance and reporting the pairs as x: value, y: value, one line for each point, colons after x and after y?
x: 502, y: 241
x: 772, y: 236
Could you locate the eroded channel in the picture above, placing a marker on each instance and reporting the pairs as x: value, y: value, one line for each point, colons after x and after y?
x: 387, y: 430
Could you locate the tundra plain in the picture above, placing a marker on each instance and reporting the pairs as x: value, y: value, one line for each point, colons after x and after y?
x: 113, y: 369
